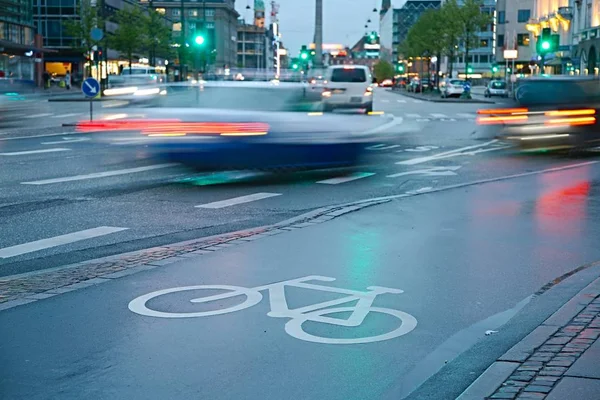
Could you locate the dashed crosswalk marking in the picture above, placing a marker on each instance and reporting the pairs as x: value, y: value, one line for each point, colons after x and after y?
x: 465, y: 115
x: 55, y: 241
x: 238, y: 200
x: 435, y: 115
x: 413, y: 115
x: 24, y: 153
x: 348, y: 178
x: 99, y: 175
x: 401, y: 101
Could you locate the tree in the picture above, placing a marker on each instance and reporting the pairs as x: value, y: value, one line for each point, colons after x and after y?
x: 471, y: 21
x: 383, y: 70
x: 80, y: 28
x: 159, y: 36
x: 131, y: 35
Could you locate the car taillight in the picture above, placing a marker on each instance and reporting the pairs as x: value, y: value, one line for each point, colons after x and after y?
x: 326, y: 93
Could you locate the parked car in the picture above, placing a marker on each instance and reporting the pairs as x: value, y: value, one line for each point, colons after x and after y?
x: 348, y: 86
x: 452, y: 87
x: 496, y: 88
x: 419, y: 85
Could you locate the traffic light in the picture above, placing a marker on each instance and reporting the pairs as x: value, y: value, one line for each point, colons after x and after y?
x: 373, y: 37
x: 304, y: 53
x: 295, y: 66
x: 400, y: 68
x: 199, y: 39
x: 547, y: 42
x: 495, y: 68
x: 469, y: 70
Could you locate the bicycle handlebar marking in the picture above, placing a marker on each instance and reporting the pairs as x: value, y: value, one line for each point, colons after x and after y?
x: 279, y: 308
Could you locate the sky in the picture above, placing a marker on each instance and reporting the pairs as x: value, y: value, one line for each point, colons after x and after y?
x: 343, y: 20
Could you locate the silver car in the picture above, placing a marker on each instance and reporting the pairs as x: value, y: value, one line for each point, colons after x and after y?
x: 496, y: 88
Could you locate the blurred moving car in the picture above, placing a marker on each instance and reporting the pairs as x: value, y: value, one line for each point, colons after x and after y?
x: 348, y: 86
x: 496, y: 88
x: 13, y: 106
x: 137, y: 76
x: 452, y: 87
x: 386, y: 83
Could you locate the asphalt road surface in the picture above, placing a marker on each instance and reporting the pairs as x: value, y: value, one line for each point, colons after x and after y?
x: 450, y: 265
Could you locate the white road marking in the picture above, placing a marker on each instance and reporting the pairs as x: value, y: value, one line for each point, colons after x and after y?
x: 435, y: 171
x: 435, y: 115
x: 393, y: 146
x: 67, y: 140
x: 55, y: 241
x: 446, y: 154
x: 421, y: 190
x: 65, y: 115
x: 40, y: 136
x: 466, y: 115
x: 123, y: 142
x: 23, y: 153
x: 477, y: 151
x: 38, y: 115
x: 395, y: 121
x: 348, y: 178
x: 375, y: 146
x: 385, y: 101
x: 421, y: 148
x: 413, y: 115
x: 238, y: 200
x: 401, y: 101
x: 99, y: 174
x: 417, y: 101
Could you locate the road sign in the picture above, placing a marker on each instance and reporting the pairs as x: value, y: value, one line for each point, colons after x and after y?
x: 90, y: 87
x: 96, y: 34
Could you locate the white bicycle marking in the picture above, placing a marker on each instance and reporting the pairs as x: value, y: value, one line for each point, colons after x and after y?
x: 298, y: 316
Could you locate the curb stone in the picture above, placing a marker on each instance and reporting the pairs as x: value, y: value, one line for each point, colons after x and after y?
x: 26, y: 288
x: 535, y: 365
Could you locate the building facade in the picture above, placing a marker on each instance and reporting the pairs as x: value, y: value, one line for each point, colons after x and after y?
x: 218, y: 17
x: 18, y: 50
x: 512, y: 19
x: 252, y: 46
x: 585, y: 30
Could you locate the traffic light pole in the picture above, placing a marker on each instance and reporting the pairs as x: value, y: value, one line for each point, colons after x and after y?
x: 542, y: 62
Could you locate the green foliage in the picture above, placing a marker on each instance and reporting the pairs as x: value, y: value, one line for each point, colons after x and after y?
x: 131, y: 36
x: 383, y: 70
x: 159, y: 35
x: 441, y: 31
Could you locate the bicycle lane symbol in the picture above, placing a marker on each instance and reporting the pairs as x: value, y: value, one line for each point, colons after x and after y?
x: 298, y: 316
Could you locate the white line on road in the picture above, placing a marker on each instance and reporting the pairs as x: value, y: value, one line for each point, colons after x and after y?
x: 401, y: 101
x: 99, y: 174
x: 67, y: 140
x: 466, y: 115
x: 435, y: 115
x: 375, y: 146
x: 417, y: 101
x: 395, y: 121
x: 385, y: 101
x: 38, y: 115
x: 38, y: 245
x: 64, y: 115
x: 23, y: 153
x: 40, y: 136
x: 435, y: 171
x: 348, y: 178
x: 446, y: 154
x: 413, y: 115
x: 238, y: 200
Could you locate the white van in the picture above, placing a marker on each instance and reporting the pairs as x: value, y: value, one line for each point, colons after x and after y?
x: 348, y: 86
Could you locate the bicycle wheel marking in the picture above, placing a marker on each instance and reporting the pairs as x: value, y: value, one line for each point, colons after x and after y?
x: 316, y: 313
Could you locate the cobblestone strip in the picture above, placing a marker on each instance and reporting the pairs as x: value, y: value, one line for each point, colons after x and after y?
x: 546, y: 366
x: 26, y: 288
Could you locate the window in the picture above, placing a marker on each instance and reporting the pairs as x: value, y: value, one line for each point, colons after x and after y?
x: 210, y: 25
x: 484, y: 59
x: 175, y: 12
x: 210, y: 12
x: 523, y: 15
x: 348, y: 75
x: 484, y: 43
x: 523, y: 39
x: 501, y: 17
x: 193, y: 13
x: 161, y: 11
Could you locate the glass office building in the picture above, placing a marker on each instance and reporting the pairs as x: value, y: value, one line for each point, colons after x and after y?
x: 17, y: 50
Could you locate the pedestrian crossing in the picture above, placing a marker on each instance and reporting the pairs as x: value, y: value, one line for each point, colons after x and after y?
x: 449, y: 117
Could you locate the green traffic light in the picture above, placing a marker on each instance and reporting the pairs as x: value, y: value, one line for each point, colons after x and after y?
x: 546, y: 45
x: 199, y: 40
x: 469, y: 70
x: 295, y: 66
x: 495, y: 69
x: 304, y: 56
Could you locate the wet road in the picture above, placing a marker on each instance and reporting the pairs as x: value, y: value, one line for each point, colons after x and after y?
x: 467, y: 259
x: 69, y: 198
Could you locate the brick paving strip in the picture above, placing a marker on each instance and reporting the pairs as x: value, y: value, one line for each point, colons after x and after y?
x: 537, y: 364
x: 26, y: 288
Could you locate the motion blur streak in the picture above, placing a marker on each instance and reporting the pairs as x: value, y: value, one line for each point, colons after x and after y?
x: 568, y: 113
x: 177, y: 127
x: 502, y: 111
x: 501, y: 120
x: 572, y: 121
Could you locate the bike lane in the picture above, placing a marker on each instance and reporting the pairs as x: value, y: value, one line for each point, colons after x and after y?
x: 460, y: 257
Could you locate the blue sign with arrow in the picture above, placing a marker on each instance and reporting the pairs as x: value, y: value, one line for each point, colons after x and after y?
x: 90, y: 87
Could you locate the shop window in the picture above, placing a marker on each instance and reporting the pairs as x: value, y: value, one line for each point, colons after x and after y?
x: 501, y: 17
x: 523, y: 39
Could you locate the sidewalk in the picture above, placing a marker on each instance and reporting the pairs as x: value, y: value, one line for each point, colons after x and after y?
x: 436, y: 98
x: 559, y: 360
